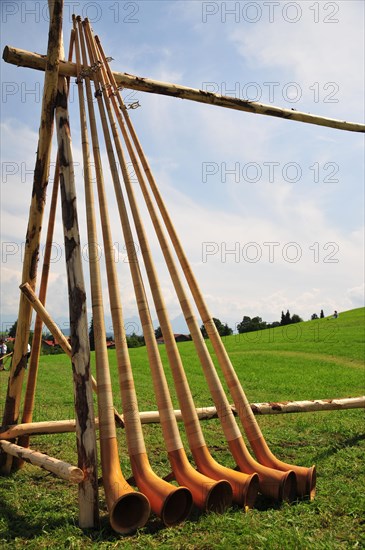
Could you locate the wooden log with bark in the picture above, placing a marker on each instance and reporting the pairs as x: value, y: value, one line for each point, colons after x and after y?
x: 204, y: 413
x: 61, y: 469
x: 84, y: 409
x: 35, y: 220
x: 23, y: 58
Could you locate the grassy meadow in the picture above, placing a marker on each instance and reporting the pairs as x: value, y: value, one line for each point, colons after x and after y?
x: 311, y: 360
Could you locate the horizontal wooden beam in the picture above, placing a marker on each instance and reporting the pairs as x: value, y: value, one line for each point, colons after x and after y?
x: 204, y: 413
x: 23, y: 58
x: 309, y: 406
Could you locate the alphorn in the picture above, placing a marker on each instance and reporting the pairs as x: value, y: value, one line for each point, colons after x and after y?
x: 272, y: 483
x: 207, y: 494
x: 23, y: 58
x: 171, y: 503
x: 244, y: 486
x: 306, y: 477
x: 128, y: 509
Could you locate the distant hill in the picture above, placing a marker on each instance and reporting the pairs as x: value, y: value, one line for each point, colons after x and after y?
x: 341, y: 337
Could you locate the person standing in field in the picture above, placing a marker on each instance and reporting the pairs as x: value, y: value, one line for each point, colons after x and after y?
x: 28, y: 354
x: 3, y: 350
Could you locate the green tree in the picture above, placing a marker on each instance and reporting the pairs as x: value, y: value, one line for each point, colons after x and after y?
x: 273, y: 325
x: 158, y: 332
x: 285, y: 318
x: 296, y: 319
x: 244, y: 325
x: 135, y: 341
x: 257, y: 323
x: 223, y: 329
x: 226, y: 330
x: 250, y: 325
x: 12, y: 330
x: 91, y: 335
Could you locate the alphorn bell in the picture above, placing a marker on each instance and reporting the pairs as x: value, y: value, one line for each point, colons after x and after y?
x: 128, y: 509
x: 245, y: 487
x: 207, y: 494
x: 172, y: 504
x: 280, y: 486
x: 306, y: 477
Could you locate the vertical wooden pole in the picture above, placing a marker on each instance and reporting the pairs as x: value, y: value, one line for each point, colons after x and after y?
x: 85, y: 421
x: 38, y: 325
x: 32, y: 241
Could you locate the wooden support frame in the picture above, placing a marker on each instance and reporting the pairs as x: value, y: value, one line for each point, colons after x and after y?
x: 23, y: 58
x: 29, y: 397
x: 202, y: 486
x: 31, y: 253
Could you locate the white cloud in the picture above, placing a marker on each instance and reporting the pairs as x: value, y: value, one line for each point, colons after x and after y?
x: 356, y: 295
x: 312, y: 51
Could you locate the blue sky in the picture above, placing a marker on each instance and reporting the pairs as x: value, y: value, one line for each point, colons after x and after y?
x: 270, y: 212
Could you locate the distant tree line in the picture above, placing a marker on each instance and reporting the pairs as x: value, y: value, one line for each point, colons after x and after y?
x: 256, y: 323
x: 287, y: 319
x: 314, y: 316
x: 247, y: 324
x: 133, y: 340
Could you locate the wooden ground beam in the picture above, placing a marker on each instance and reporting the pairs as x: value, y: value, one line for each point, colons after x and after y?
x: 23, y: 58
x: 204, y: 413
x: 58, y: 467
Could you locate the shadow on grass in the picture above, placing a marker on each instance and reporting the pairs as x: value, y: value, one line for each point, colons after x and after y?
x: 263, y: 504
x: 342, y: 444
x: 20, y: 526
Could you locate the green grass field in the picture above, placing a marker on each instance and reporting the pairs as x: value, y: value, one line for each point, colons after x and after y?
x: 312, y: 360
